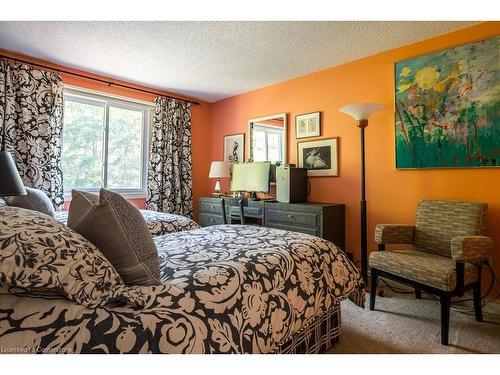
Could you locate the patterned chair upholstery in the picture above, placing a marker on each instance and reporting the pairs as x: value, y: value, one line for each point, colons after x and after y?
x: 449, y: 249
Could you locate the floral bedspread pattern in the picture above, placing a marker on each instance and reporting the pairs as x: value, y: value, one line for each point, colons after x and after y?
x: 159, y: 223
x: 227, y: 289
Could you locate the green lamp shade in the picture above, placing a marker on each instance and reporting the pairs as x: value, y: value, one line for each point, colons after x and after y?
x: 10, y: 181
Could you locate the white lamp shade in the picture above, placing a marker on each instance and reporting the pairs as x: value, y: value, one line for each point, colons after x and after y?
x: 219, y: 169
x: 361, y: 111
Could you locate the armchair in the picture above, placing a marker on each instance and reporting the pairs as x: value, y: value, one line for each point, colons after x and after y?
x: 448, y: 252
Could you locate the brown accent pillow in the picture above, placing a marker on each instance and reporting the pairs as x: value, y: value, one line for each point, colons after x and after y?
x: 118, y: 230
x: 81, y: 203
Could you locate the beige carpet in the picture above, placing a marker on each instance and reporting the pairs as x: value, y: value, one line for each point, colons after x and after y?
x: 403, y: 324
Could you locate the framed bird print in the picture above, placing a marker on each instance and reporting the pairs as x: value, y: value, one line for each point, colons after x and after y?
x: 319, y: 157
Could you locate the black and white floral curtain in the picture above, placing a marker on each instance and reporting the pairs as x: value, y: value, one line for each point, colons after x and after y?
x: 169, y: 174
x: 31, y: 115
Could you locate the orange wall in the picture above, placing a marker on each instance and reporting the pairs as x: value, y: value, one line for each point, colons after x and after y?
x: 392, y: 195
x: 199, y: 121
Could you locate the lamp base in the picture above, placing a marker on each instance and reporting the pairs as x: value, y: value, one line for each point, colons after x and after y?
x: 217, y: 187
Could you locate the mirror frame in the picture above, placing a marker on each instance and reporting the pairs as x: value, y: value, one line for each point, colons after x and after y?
x: 285, y: 135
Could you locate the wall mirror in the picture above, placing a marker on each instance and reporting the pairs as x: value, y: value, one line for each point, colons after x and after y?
x: 268, y: 138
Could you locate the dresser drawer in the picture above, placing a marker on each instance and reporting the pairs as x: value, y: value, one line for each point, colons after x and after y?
x: 214, y: 208
x: 292, y: 217
x: 295, y: 228
x: 206, y: 220
x: 253, y: 210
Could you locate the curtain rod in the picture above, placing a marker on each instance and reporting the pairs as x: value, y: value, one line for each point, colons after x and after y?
x: 109, y: 83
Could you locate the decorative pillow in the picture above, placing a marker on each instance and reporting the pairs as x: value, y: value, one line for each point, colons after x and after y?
x: 120, y: 232
x: 81, y: 203
x: 37, y: 253
x: 35, y: 200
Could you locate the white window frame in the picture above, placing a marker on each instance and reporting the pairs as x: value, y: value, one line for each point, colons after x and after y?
x: 108, y: 100
x: 269, y: 129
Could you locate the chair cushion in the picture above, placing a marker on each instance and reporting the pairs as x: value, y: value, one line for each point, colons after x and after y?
x: 35, y: 200
x: 423, y: 267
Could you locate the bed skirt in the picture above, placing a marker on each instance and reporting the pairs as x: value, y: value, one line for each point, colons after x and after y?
x: 317, y: 337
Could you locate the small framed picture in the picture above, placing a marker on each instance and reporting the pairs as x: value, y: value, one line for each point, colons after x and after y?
x: 308, y: 125
x: 319, y: 157
x: 234, y: 148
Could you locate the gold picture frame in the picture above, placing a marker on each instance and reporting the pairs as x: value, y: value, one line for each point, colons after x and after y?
x: 308, y: 125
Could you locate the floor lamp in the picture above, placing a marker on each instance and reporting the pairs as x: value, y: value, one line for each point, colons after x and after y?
x: 361, y: 112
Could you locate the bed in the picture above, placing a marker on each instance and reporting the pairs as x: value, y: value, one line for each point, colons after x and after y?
x: 159, y: 223
x: 225, y: 289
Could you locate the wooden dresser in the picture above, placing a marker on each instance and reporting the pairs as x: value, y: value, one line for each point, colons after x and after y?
x: 325, y: 220
x: 210, y: 211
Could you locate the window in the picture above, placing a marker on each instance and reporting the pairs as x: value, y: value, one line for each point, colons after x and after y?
x: 267, y: 143
x: 104, y: 143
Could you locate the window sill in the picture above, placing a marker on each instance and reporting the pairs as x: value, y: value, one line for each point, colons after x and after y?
x: 126, y: 195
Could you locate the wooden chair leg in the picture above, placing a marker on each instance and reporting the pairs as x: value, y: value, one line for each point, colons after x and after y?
x: 418, y: 293
x: 373, y: 287
x: 476, y: 293
x: 445, y: 301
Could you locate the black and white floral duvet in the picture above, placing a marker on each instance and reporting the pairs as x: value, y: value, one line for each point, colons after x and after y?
x: 159, y: 223
x: 227, y: 289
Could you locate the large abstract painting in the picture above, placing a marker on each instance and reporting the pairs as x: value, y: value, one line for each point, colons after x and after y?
x: 448, y: 108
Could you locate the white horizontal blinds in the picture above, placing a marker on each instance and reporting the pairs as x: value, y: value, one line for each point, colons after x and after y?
x: 105, y: 143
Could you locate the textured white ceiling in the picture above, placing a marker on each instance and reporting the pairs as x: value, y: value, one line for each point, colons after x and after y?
x: 210, y: 60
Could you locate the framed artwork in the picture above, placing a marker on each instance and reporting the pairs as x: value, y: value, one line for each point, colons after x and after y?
x: 234, y: 148
x: 446, y: 107
x: 308, y: 125
x: 319, y: 157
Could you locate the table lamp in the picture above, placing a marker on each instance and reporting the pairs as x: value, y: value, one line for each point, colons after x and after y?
x: 361, y: 112
x: 218, y: 170
x: 10, y: 181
